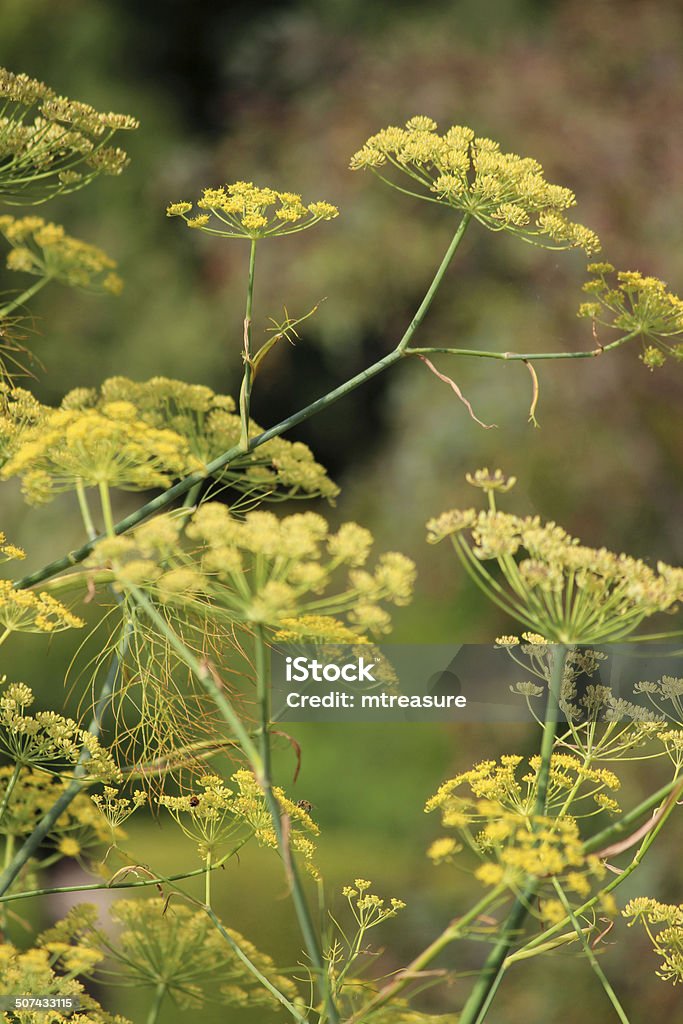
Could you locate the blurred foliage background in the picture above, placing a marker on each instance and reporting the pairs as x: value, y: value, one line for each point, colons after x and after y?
x: 282, y: 94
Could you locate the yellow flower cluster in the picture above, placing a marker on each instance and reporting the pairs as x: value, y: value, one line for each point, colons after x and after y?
x: 20, y: 411
x: 173, y: 945
x: 251, y: 805
x: 9, y: 552
x: 267, y: 570
x: 243, y: 210
x: 111, y: 445
x: 566, y: 591
x: 46, y: 739
x: 667, y: 941
x: 207, y: 422
x: 367, y: 908
x: 25, y: 611
x: 503, y: 191
x: 495, y: 817
x: 51, y: 144
x: 45, y: 250
x: 117, y: 809
x: 210, y: 815
x: 493, y: 781
x: 638, y: 305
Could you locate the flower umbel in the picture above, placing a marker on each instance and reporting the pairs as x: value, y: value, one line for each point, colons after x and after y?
x: 503, y: 191
x: 243, y: 210
x: 554, y: 585
x: 634, y: 304
x: 45, y: 250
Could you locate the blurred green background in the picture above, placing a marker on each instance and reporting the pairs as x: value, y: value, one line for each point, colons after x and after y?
x: 283, y: 94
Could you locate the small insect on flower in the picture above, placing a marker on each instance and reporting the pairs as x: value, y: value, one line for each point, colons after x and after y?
x: 305, y: 805
x: 194, y: 801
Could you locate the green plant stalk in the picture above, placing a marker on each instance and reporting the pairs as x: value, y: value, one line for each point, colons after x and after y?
x: 24, y: 297
x: 491, y: 973
x: 156, y: 880
x: 247, y: 379
x: 434, y: 286
x: 488, y: 981
x: 84, y: 507
x: 14, y: 778
x: 105, y: 500
x: 159, y: 994
x: 298, y: 896
x: 254, y: 969
x: 524, y: 356
x: 167, y: 497
x: 559, y: 656
x: 590, y: 955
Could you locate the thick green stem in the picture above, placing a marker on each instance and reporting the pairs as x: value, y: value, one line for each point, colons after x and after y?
x: 105, y: 499
x: 489, y: 978
x: 247, y: 379
x: 207, y: 879
x: 83, y: 505
x: 434, y: 286
x: 559, y: 656
x: 24, y: 297
x: 301, y: 907
x: 590, y: 955
x: 159, y: 994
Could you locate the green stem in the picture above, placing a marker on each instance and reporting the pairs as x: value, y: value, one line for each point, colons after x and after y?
x: 24, y: 297
x: 254, y: 969
x: 559, y: 656
x: 479, y: 353
x: 301, y: 907
x: 105, y: 499
x: 90, y: 530
x: 484, y: 990
x: 490, y: 975
x: 14, y: 778
x: 247, y: 379
x: 153, y: 1015
x: 434, y: 286
x: 207, y: 879
x: 192, y: 495
x: 167, y: 497
x: 156, y: 880
x: 621, y: 828
x: 590, y: 955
